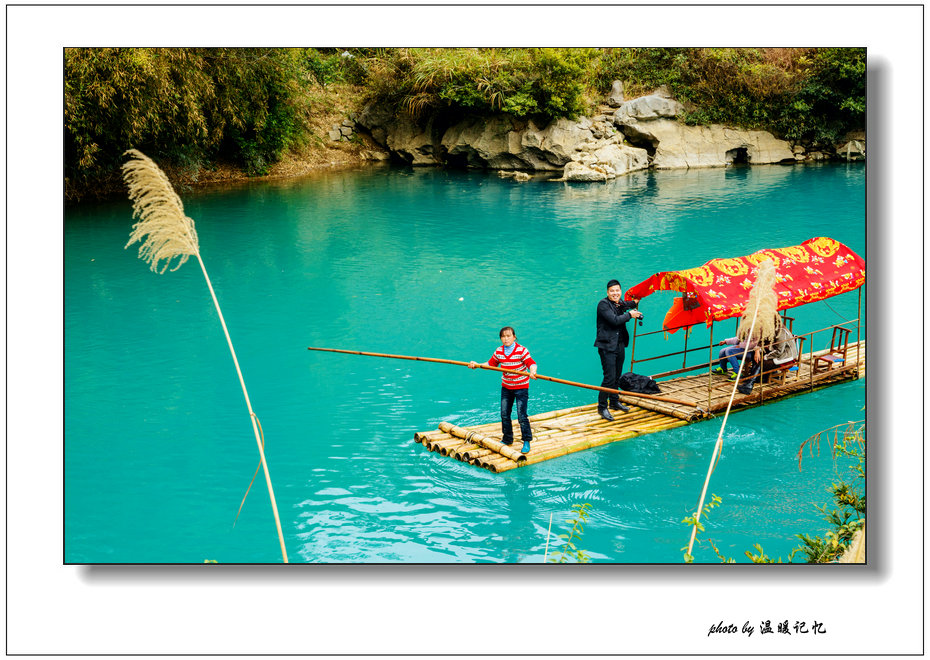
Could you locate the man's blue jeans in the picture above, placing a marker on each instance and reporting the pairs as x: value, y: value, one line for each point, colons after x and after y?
x: 731, y: 354
x: 507, y: 399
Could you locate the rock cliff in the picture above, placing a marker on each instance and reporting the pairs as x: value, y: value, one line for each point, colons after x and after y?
x: 641, y: 133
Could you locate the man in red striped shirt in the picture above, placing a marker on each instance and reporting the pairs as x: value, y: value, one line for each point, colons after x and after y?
x: 514, y: 387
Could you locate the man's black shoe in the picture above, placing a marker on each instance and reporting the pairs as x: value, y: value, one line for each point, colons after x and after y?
x: 603, y: 412
x: 616, y: 405
x: 507, y: 442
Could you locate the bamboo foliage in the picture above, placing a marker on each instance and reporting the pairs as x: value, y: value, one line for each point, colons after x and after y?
x: 166, y: 233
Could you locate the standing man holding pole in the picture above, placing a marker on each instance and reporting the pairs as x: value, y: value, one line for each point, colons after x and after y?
x: 611, y: 342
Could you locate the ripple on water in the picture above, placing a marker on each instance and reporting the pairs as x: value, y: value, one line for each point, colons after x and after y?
x: 150, y: 398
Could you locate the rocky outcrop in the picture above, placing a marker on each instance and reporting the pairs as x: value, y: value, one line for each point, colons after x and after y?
x: 654, y: 106
x: 641, y: 133
x: 675, y: 145
x: 504, y: 143
x: 605, y: 161
x: 615, y: 98
x: 852, y: 147
x: 650, y: 121
x: 415, y: 144
x: 484, y: 143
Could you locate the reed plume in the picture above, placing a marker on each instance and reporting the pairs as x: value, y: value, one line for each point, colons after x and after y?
x: 166, y: 233
x: 762, y: 304
x: 163, y: 229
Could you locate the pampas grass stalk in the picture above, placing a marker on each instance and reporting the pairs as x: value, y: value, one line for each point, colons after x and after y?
x: 166, y: 234
x: 761, y: 307
x: 548, y: 532
x: 761, y: 304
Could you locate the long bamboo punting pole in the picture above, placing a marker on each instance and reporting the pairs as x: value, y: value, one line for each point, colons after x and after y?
x: 508, y: 371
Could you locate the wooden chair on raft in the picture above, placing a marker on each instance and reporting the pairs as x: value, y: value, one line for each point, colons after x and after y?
x: 781, y: 371
x: 836, y: 354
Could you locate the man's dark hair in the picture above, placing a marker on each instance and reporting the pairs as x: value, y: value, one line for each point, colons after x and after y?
x: 613, y: 283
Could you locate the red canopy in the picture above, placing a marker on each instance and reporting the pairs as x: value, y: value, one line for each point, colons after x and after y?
x: 814, y: 270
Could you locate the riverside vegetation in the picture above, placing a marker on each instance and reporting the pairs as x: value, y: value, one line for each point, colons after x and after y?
x: 211, y: 114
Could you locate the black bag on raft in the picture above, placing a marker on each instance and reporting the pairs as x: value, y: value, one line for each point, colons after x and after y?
x: 638, y: 383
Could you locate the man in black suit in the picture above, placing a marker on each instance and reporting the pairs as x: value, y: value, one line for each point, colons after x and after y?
x: 611, y: 342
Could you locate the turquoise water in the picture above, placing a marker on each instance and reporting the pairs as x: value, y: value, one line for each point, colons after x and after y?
x: 159, y: 448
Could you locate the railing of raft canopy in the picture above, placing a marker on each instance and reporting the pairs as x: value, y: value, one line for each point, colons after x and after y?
x: 712, y: 350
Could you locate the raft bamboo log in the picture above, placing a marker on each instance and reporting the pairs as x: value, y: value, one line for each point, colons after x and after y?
x: 505, y: 371
x: 484, y: 441
x: 439, y: 444
x: 423, y: 437
x: 461, y: 451
x: 547, y: 448
x: 473, y: 454
x: 598, y: 424
x: 498, y: 464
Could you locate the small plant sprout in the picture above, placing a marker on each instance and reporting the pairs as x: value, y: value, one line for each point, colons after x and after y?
x: 568, y: 550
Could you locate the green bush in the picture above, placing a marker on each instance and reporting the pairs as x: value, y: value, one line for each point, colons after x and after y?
x: 806, y: 95
x: 336, y: 65
x: 641, y: 69
x: 544, y: 83
x: 181, y: 105
x: 830, y: 99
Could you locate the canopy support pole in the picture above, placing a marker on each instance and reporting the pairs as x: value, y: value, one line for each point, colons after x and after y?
x: 633, y: 348
x: 684, y: 357
x: 710, y: 365
x: 858, y: 326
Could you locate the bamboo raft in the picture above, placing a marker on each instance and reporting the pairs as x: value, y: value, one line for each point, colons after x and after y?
x: 561, y: 432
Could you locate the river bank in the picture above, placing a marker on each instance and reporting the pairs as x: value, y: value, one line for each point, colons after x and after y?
x: 621, y: 136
